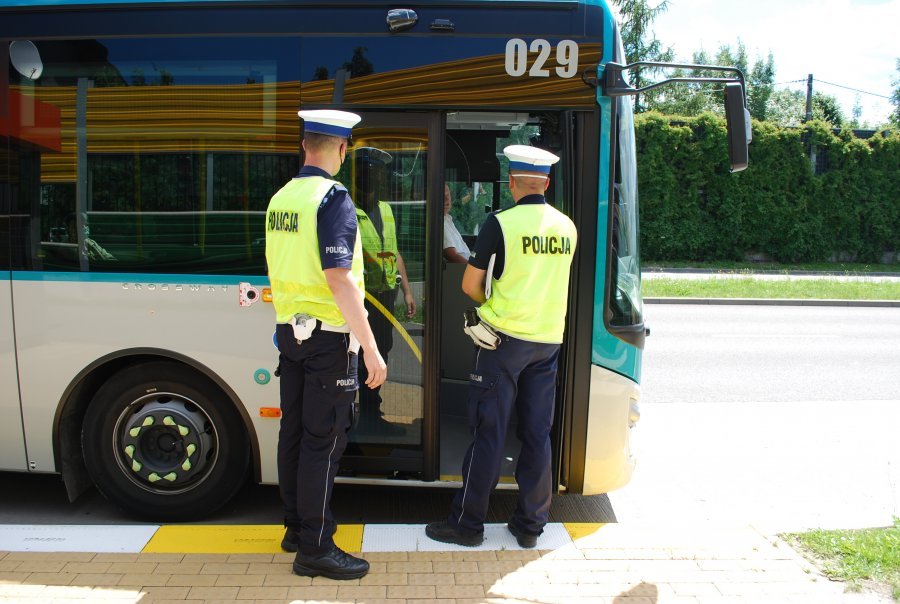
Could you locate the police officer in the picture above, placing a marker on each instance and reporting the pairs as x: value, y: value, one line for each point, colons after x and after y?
x: 519, y: 328
x: 384, y: 270
x: 314, y: 256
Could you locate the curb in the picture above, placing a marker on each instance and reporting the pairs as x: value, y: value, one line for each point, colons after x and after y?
x: 775, y: 302
x: 750, y: 272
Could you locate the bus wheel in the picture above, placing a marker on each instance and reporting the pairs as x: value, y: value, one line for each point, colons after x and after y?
x: 164, y: 442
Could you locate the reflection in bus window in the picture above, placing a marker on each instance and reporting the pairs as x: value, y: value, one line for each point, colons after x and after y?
x: 166, y: 163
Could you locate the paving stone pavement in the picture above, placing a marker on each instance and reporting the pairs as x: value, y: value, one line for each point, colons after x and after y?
x: 612, y: 564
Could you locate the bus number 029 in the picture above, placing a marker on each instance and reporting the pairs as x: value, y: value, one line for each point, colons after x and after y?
x: 517, y: 58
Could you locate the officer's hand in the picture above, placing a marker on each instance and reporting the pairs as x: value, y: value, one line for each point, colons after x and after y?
x: 376, y: 368
x: 410, y: 306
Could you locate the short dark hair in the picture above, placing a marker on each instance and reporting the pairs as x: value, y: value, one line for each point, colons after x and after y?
x: 316, y: 142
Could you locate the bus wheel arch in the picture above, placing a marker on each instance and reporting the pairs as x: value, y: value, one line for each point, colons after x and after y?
x: 77, y: 429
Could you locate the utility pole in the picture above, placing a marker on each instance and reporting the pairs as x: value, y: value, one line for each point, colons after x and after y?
x: 809, y: 81
x: 812, y: 146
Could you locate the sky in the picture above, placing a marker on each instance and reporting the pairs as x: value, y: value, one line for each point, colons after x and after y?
x: 852, y: 43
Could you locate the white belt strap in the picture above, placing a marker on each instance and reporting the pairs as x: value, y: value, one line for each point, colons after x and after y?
x: 345, y: 328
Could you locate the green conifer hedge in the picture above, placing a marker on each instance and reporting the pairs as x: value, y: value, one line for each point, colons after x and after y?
x: 783, y: 207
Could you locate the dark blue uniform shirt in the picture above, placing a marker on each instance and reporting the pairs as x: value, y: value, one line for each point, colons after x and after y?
x: 490, y: 239
x: 335, y: 223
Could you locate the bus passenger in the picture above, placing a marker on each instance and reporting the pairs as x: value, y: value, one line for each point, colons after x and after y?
x: 519, y: 328
x: 455, y: 248
x: 384, y: 271
x: 314, y: 256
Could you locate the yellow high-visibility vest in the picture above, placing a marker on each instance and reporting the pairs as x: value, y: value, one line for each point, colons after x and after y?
x: 379, y: 252
x: 529, y: 299
x: 292, y: 253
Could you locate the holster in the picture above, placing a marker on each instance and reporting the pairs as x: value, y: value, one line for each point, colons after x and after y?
x: 481, y: 333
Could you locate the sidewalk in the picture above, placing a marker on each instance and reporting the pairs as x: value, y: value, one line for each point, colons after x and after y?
x: 605, y: 564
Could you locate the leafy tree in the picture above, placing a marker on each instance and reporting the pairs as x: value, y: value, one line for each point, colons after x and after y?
x: 827, y: 108
x: 359, y: 64
x: 761, y: 85
x: 694, y: 98
x: 895, y: 98
x: 855, y: 121
x: 639, y: 40
x: 788, y: 108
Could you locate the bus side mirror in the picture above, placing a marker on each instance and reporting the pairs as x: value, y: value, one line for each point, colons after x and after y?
x: 737, y: 120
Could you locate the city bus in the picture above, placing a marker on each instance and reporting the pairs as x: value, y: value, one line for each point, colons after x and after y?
x: 140, y: 143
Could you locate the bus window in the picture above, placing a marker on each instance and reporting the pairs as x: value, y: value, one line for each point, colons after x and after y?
x: 625, y: 306
x: 168, y: 155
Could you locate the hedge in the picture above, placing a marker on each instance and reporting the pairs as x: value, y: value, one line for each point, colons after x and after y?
x: 781, y: 207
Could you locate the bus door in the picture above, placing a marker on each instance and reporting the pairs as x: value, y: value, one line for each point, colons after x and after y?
x: 388, y: 171
x: 477, y: 183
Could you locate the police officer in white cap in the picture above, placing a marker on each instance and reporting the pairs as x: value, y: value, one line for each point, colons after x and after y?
x: 314, y: 256
x: 519, y: 273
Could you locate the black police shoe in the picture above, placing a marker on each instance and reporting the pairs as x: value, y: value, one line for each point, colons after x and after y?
x: 291, y: 540
x: 522, y: 538
x: 336, y: 564
x: 443, y: 532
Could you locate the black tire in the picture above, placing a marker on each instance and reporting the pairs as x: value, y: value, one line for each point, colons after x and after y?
x: 164, y: 443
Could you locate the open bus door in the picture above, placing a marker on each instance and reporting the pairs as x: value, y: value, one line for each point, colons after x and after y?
x: 395, y: 434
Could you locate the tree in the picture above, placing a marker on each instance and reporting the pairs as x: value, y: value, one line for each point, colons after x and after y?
x: 638, y: 38
x: 788, y: 108
x: 359, y: 65
x: 693, y: 99
x: 826, y: 107
x: 895, y: 98
x: 761, y: 85
x: 855, y: 121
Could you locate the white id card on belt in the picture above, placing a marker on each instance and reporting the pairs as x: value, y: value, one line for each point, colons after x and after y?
x: 353, y: 346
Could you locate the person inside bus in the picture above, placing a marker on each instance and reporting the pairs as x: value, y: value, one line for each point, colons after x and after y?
x: 455, y: 248
x: 317, y: 292
x: 384, y: 271
x: 518, y: 328
x: 89, y: 248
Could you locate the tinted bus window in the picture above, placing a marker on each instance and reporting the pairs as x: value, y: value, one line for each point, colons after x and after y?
x: 158, y: 156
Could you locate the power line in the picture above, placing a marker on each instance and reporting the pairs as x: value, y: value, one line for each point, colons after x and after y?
x: 854, y: 89
x: 803, y: 81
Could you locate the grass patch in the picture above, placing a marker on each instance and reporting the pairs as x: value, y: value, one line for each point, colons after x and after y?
x: 749, y: 267
x: 856, y: 556
x: 741, y: 287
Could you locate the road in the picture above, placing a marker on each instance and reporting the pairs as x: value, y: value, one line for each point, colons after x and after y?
x: 783, y: 417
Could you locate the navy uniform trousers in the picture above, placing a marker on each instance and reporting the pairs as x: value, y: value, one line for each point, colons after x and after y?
x: 318, y: 384
x: 519, y: 376
x: 383, y: 330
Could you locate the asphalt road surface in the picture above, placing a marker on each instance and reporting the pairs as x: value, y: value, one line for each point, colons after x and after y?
x: 782, y: 417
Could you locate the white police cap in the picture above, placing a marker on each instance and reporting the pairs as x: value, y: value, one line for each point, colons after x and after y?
x: 329, y: 121
x: 529, y: 159
x: 372, y: 156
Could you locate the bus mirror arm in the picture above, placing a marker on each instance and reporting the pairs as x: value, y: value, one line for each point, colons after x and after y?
x: 737, y: 114
x: 615, y: 85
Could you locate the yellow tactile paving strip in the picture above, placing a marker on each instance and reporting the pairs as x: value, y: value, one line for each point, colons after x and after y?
x: 238, y: 539
x: 604, y: 564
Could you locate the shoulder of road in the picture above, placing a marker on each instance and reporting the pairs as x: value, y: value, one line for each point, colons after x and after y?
x: 701, y: 273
